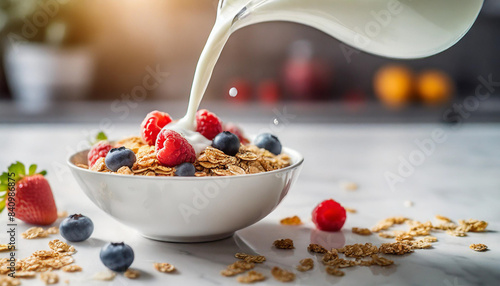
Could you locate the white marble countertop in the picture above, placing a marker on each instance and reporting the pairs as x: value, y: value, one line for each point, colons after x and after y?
x: 458, y: 179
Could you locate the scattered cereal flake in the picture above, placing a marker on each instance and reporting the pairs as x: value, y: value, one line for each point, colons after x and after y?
x: 419, y: 244
x: 34, y: 232
x: 396, y: 248
x: 250, y: 258
x: 24, y: 274
x: 104, y: 275
x: 361, y: 231
x: 349, y: 210
x: 282, y: 274
x: 404, y: 237
x: 62, y: 214
x: 348, y: 186
x: 473, y: 225
x: 430, y: 239
x: 251, y: 277
x: 381, y: 261
x: 316, y: 248
x: 456, y: 232
x: 71, y: 268
x: 443, y: 218
x: 49, y: 278
x: 125, y: 170
x: 53, y: 230
x: 386, y: 235
x: 408, y: 204
x: 283, y: 243
x: 82, y: 166
x: 164, y: 267
x: 9, y: 281
x: 388, y: 222
x: 132, y: 273
x: 358, y: 250
x: 237, y: 268
x: 295, y: 220
x: 330, y: 256
x: 4, y: 247
x: 334, y: 270
x: 478, y: 247
x: 306, y: 264
x: 60, y: 246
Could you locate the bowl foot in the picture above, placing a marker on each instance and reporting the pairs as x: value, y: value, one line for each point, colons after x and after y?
x: 189, y: 239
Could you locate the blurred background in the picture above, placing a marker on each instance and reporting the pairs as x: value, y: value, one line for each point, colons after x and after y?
x: 76, y: 61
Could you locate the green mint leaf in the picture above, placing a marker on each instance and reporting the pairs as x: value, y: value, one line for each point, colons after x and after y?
x: 101, y: 136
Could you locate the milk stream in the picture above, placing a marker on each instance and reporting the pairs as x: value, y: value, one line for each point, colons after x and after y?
x: 397, y: 29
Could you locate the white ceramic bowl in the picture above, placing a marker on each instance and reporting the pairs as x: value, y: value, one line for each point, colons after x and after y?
x: 187, y: 209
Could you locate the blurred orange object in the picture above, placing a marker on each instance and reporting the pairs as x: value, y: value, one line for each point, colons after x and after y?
x: 393, y: 85
x: 434, y: 87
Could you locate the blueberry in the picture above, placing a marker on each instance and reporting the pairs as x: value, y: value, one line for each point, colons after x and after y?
x: 227, y: 142
x: 185, y: 170
x: 119, y: 157
x: 117, y: 256
x: 76, y: 228
x: 269, y: 142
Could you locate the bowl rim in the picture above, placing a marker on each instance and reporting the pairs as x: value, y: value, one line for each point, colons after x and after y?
x: 289, y: 151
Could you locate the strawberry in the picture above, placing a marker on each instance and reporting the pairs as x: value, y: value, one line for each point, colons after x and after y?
x: 208, y: 124
x: 152, y: 124
x: 172, y: 149
x: 233, y: 128
x: 34, y: 202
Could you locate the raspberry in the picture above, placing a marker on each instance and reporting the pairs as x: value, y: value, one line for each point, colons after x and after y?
x: 99, y: 150
x: 329, y: 216
x: 208, y: 124
x: 152, y: 124
x: 233, y: 128
x: 172, y: 149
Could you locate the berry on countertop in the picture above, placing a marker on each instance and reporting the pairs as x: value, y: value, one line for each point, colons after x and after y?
x: 329, y: 216
x: 119, y: 157
x: 208, y: 124
x: 185, y: 170
x: 33, y: 196
x: 172, y: 149
x: 233, y: 128
x: 76, y: 228
x: 99, y: 149
x: 117, y: 256
x: 269, y: 142
x: 227, y: 142
x: 152, y: 124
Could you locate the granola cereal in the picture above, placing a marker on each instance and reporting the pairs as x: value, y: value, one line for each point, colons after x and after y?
x: 397, y: 248
x: 295, y: 220
x: 358, y: 250
x: 132, y: 273
x: 9, y: 281
x: 348, y: 186
x: 349, y: 210
x: 251, y: 277
x: 24, y: 274
x: 306, y: 264
x: 34, y: 232
x: 361, y: 231
x: 316, y: 248
x: 60, y: 246
x: 49, y: 278
x: 250, y: 258
x: 387, y: 223
x: 164, y: 267
x: 4, y: 247
x: 237, y: 268
x: 381, y: 261
x: 386, y: 235
x: 443, y: 218
x: 478, y: 247
x: 334, y: 270
x: 71, y: 268
x: 329, y: 256
x: 283, y: 243
x: 104, y: 276
x: 282, y: 274
x: 53, y: 230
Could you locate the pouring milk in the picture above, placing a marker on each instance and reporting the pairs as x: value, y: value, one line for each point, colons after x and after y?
x: 391, y: 28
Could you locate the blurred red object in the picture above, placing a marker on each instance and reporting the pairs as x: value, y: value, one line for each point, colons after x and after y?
x: 268, y: 91
x: 243, y: 90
